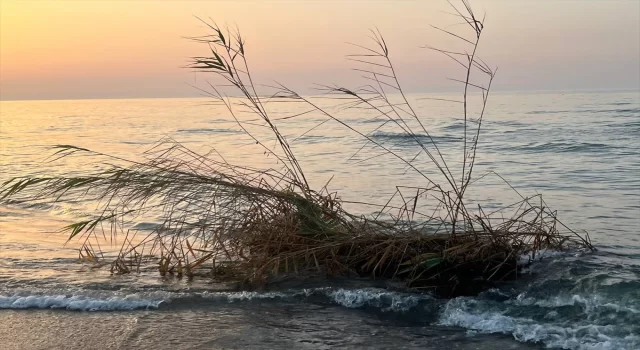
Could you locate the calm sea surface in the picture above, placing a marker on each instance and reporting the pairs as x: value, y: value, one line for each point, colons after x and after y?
x: 580, y: 150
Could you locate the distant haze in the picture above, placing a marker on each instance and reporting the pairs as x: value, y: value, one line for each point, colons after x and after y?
x: 122, y: 49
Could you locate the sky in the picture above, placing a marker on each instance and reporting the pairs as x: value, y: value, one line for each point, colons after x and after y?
x: 72, y: 49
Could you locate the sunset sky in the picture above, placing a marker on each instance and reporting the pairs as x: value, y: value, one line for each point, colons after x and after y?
x: 118, y: 49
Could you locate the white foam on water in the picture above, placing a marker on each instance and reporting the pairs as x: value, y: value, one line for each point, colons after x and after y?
x: 244, y: 295
x: 464, y: 312
x: 350, y: 298
x: 388, y: 301
x: 77, y: 302
x: 588, y: 303
x: 116, y: 301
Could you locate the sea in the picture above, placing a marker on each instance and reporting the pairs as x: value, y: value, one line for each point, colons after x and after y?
x: 579, y: 150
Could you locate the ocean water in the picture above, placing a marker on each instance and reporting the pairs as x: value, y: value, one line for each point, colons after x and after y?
x: 580, y: 150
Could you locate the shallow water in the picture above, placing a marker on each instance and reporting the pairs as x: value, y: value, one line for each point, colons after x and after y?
x: 581, y: 150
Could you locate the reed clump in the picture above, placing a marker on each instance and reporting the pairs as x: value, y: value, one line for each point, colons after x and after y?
x: 259, y: 225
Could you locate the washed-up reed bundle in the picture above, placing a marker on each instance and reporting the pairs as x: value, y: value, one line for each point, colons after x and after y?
x: 257, y: 225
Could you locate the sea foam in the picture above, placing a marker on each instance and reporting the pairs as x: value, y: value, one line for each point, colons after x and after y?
x: 77, y: 302
x: 466, y: 313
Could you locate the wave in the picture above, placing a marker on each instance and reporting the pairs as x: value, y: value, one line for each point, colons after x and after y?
x: 146, y: 226
x: 507, y: 123
x: 562, y: 321
x: 209, y: 131
x: 551, y: 111
x: 454, y: 127
x: 589, y: 304
x: 313, y: 139
x: 406, y: 138
x: 631, y: 124
x: 56, y: 209
x: 77, y: 303
x: 568, y: 147
x: 380, y: 120
x: 617, y: 110
x: 467, y: 313
x: 387, y: 301
x: 625, y: 110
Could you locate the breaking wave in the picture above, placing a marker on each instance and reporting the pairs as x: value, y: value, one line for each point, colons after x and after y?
x: 387, y: 301
x: 548, y: 329
x: 551, y: 315
x: 77, y: 303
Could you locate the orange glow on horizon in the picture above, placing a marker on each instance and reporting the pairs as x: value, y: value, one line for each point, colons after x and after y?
x: 55, y: 49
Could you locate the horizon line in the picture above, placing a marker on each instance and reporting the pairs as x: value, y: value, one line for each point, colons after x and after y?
x: 605, y: 90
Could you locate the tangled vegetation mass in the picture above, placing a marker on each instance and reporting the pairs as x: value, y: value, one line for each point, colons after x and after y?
x: 258, y: 225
